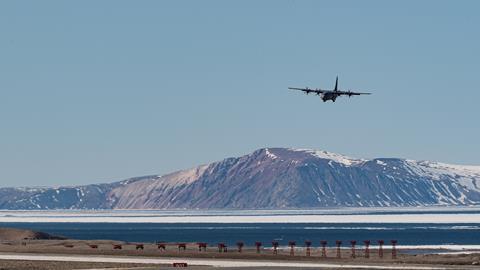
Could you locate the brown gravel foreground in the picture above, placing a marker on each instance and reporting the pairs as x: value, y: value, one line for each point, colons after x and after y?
x: 43, y: 265
x: 105, y: 247
x: 40, y: 265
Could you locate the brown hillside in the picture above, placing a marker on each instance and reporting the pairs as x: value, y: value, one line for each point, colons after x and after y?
x: 11, y: 234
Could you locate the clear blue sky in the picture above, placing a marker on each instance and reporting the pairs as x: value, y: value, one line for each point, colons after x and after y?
x: 96, y: 91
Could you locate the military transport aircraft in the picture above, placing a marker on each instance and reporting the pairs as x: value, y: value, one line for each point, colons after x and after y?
x: 329, y: 94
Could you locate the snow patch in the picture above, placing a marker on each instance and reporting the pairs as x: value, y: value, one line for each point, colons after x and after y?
x: 466, y: 176
x: 379, y: 162
x: 270, y: 154
x: 341, y: 159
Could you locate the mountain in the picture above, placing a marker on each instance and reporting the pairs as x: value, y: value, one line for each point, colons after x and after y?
x: 271, y: 178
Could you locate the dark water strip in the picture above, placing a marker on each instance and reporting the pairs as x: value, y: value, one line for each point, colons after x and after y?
x: 230, y: 233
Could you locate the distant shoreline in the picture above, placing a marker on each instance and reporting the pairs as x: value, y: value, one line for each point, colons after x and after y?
x: 458, y: 215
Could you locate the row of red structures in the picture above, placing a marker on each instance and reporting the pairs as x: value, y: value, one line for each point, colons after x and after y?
x: 222, y: 247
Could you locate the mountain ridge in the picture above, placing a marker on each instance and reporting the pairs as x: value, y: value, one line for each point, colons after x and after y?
x: 270, y: 178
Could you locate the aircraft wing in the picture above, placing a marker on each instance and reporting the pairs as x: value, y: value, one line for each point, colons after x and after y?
x: 351, y: 93
x: 308, y: 90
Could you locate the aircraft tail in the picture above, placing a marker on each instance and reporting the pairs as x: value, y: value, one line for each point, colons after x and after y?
x: 336, y: 85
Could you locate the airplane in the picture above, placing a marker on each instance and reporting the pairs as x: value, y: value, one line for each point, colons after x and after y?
x: 329, y: 94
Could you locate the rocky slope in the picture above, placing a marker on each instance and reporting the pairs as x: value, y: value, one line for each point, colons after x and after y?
x: 271, y: 178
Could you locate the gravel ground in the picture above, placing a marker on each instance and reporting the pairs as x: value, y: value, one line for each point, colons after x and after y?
x: 105, y: 247
x: 42, y: 265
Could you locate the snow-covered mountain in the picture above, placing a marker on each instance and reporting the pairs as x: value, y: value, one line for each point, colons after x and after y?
x: 271, y: 178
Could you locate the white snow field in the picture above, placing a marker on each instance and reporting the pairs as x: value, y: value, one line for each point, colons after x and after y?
x: 461, y: 216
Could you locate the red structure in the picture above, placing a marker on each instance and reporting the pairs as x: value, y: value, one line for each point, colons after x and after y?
x: 182, y: 246
x: 394, y: 249
x: 222, y: 247
x: 93, y: 246
x: 339, y: 253
x: 367, y: 248
x: 139, y: 246
x: 353, y: 243
x: 275, y: 247
x: 161, y: 246
x: 258, y: 245
x: 380, y: 248
x: 324, y: 248
x: 308, y: 244
x: 292, y: 247
x: 240, y: 246
x: 202, y: 246
x: 117, y: 246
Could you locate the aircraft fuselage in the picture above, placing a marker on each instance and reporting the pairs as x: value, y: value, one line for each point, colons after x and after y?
x: 329, y: 96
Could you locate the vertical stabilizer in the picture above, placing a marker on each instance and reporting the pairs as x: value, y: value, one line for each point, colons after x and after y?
x: 336, y: 85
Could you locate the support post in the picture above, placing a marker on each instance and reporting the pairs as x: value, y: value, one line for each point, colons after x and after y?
x: 308, y: 244
x: 275, y: 247
x: 202, y: 246
x: 353, y: 243
x: 339, y: 253
x: 258, y: 245
x: 292, y: 247
x: 324, y: 248
x: 240, y: 246
x: 367, y: 248
x: 222, y: 247
x: 394, y: 249
x: 380, y: 248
